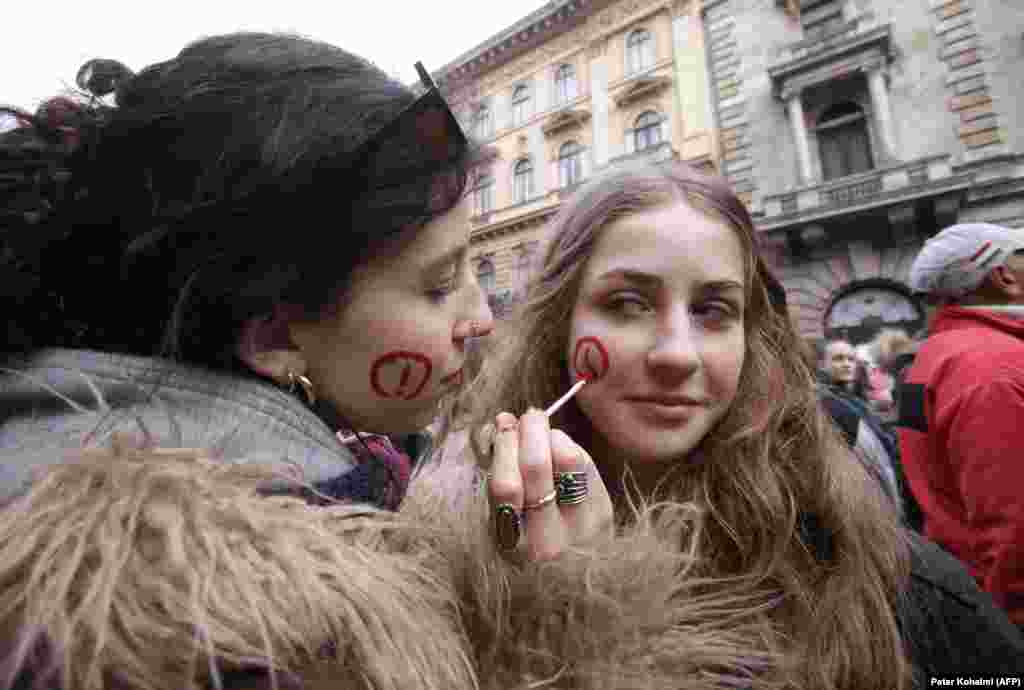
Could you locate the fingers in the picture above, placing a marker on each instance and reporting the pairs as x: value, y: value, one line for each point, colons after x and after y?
x: 526, y: 456
x: 571, y: 464
x: 546, y: 533
x: 594, y: 516
x: 505, y: 485
x: 485, y: 443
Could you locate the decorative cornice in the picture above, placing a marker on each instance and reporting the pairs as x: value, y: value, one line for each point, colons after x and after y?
x: 1014, y: 161
x: 556, y: 17
x: 636, y: 88
x: 996, y: 189
x: 860, y: 51
x: 564, y: 119
x: 585, y: 25
x: 657, y: 153
x: 512, y: 225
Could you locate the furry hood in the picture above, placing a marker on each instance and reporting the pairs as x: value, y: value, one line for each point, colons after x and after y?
x: 155, y: 569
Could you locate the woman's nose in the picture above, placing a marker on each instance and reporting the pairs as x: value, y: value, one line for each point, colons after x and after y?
x: 675, y: 350
x: 480, y: 320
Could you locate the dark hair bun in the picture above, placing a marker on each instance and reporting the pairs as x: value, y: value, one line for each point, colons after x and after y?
x: 101, y: 77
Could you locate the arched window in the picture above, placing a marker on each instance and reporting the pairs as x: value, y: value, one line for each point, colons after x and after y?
x: 639, y: 51
x: 860, y: 310
x: 483, y: 123
x: 483, y: 194
x: 486, y: 275
x: 522, y: 181
x: 843, y: 141
x: 565, y: 84
x: 647, y: 131
x: 520, y: 105
x: 570, y: 164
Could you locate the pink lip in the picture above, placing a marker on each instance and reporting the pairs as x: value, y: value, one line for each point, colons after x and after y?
x: 658, y: 411
x: 669, y: 400
x: 452, y: 378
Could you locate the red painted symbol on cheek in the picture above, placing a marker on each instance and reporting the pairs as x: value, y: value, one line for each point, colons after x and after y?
x: 590, y: 359
x: 415, y: 372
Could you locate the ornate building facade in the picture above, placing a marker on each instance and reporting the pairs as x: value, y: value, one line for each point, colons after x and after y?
x: 861, y: 127
x: 570, y: 89
x: 853, y: 129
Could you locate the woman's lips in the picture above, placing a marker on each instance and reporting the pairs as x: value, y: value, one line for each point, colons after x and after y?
x: 671, y: 411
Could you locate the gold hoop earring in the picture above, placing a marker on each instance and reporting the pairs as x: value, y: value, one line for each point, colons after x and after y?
x: 301, y: 381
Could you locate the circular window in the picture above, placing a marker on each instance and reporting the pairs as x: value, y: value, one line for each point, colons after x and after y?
x: 861, y: 310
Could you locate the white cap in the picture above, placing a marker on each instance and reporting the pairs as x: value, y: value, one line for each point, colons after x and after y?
x: 956, y: 261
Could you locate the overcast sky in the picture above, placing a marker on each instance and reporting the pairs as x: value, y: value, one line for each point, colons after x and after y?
x: 44, y: 43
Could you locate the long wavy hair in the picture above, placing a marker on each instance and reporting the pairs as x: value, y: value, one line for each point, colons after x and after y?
x: 784, y: 515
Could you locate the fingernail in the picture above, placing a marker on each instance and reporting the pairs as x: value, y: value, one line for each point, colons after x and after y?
x: 536, y: 411
x: 505, y: 421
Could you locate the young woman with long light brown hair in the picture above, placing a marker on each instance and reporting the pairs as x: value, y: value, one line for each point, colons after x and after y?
x: 700, y: 404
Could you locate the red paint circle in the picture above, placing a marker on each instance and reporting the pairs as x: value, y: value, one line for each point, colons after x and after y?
x: 415, y: 364
x: 582, y: 362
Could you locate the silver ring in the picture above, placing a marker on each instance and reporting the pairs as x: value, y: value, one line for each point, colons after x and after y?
x: 542, y: 502
x: 571, y: 488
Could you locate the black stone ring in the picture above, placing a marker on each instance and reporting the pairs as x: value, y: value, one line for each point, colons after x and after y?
x: 570, y: 488
x: 507, y: 526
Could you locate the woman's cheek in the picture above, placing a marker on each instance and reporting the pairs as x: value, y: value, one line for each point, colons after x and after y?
x: 402, y: 374
x: 590, y: 359
x: 726, y: 365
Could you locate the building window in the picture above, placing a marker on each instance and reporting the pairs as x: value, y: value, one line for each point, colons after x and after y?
x: 570, y: 164
x: 565, y: 84
x: 843, y: 141
x: 647, y: 132
x: 639, y: 51
x: 522, y: 181
x: 821, y: 18
x: 483, y: 123
x: 486, y: 276
x: 520, y: 105
x: 483, y: 195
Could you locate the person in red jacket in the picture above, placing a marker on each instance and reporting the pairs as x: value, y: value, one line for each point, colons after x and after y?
x: 962, y: 404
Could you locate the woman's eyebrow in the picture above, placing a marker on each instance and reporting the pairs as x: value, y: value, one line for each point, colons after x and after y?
x: 721, y: 286
x: 654, y: 281
x: 638, y: 277
x: 452, y: 256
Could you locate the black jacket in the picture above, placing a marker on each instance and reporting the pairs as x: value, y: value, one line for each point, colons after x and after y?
x: 953, y: 628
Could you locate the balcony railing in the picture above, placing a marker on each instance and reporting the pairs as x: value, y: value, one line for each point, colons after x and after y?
x: 880, y: 185
x: 854, y: 192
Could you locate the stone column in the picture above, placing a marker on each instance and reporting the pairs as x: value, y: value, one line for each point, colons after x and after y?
x: 883, y: 112
x: 803, y: 148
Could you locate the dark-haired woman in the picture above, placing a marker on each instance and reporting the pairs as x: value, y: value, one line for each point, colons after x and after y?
x: 263, y: 244
x: 255, y: 262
